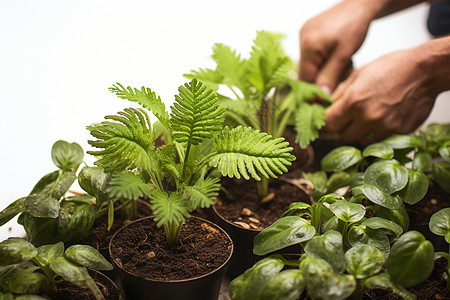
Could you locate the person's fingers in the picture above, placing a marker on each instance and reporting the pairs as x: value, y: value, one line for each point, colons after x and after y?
x: 332, y: 71
x: 337, y: 116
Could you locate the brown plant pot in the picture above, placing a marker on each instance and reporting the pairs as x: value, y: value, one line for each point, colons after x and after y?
x: 243, y: 257
x: 141, y: 280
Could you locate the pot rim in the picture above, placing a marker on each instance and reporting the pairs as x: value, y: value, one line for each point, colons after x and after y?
x: 176, y: 280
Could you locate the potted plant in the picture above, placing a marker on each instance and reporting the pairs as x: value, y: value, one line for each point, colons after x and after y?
x: 177, y: 178
x: 45, y: 270
x: 345, y: 254
x: 47, y: 215
x: 261, y: 91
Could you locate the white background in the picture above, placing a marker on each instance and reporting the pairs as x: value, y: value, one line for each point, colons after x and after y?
x: 58, y: 58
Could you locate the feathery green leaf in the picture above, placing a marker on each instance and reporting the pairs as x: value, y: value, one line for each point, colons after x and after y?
x: 127, y: 185
x: 203, y: 192
x: 168, y: 207
x: 309, y: 119
x: 243, y: 150
x: 212, y: 78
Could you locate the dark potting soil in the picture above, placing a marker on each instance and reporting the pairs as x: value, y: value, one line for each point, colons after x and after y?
x: 435, y: 199
x: 432, y: 288
x: 245, y: 205
x: 68, y: 291
x: 99, y: 235
x: 141, y: 249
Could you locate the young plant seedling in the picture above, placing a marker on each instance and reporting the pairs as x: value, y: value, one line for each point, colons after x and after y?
x: 258, y: 85
x: 27, y: 270
x: 440, y: 225
x: 46, y: 214
x: 176, y: 175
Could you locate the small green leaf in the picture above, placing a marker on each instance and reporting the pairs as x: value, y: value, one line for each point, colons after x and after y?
x: 363, y: 261
x: 380, y: 150
x: 388, y: 175
x: 411, y: 260
x: 416, y: 188
x: 380, y: 223
x: 341, y: 158
x: 12, y: 210
x: 284, y: 232
x: 348, y: 212
x: 322, y: 282
x: 76, y: 275
x: 309, y: 119
x: 444, y: 151
x: 398, y: 142
x: 20, y: 280
x: 42, y: 205
x: 440, y: 223
x: 67, y: 156
x: 40, y: 231
x: 337, y: 180
x: 298, y: 209
x: 422, y: 161
x: 399, y: 216
x: 328, y: 247
x: 247, y: 286
x: 95, y: 182
x: 375, y: 195
x: 48, y: 253
x: 15, y: 250
x: 441, y: 174
x: 368, y: 236
x: 287, y: 285
x: 318, y: 180
x: 110, y: 214
x: 383, y: 281
x: 87, y: 256
x: 75, y: 219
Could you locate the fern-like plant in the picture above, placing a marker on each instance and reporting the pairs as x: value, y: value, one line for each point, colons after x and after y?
x: 175, y: 175
x: 259, y: 86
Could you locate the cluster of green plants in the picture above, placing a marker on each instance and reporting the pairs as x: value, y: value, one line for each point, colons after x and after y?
x: 358, y: 240
x: 267, y: 95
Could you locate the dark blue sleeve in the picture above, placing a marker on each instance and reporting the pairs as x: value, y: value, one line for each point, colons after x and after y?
x: 439, y: 19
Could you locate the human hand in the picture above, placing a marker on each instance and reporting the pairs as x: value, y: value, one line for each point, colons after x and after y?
x: 393, y: 94
x: 328, y: 41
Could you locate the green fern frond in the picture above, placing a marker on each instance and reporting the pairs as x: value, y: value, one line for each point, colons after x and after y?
x: 196, y: 114
x: 145, y: 97
x: 128, y: 185
x: 309, y: 119
x: 126, y: 141
x: 212, y: 78
x: 203, y: 192
x: 280, y: 74
x: 243, y: 150
x: 232, y: 67
x: 169, y: 208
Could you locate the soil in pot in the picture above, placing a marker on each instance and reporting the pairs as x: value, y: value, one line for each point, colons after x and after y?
x: 140, y: 252
x: 68, y: 291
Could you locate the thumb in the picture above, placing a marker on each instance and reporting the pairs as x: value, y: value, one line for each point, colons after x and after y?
x: 332, y: 71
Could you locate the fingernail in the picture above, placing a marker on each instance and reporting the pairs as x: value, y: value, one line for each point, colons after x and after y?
x: 326, y: 89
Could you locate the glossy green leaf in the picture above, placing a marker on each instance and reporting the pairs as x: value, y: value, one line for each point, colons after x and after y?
x: 16, y: 250
x: 12, y: 210
x: 322, y: 282
x: 45, y: 181
x: 368, y: 236
x: 95, y: 182
x: 380, y: 223
x: 440, y: 223
x: 341, y: 158
x: 248, y: 285
x: 284, y: 232
x: 318, y: 180
x: 298, y: 209
x: 110, y: 214
x: 416, y: 188
x: 399, y: 216
x: 75, y: 274
x: 348, y: 212
x: 403, y: 141
x: 67, y: 156
x: 388, y: 175
x: 40, y: 231
x: 75, y: 220
x: 411, y: 259
x: 42, y: 205
x: 441, y: 174
x: 87, y: 256
x: 375, y: 195
x: 363, y: 260
x: 19, y: 280
x: 328, y: 246
x: 422, y: 161
x: 444, y: 151
x: 48, y: 253
x: 337, y: 180
x: 287, y: 285
x: 380, y: 150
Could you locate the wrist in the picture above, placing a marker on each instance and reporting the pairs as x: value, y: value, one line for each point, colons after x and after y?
x: 434, y: 61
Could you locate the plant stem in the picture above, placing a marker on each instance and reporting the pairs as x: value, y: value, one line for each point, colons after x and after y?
x: 186, y: 159
x: 263, y: 187
x: 172, y: 234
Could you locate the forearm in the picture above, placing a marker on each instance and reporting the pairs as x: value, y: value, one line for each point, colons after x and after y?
x: 381, y: 8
